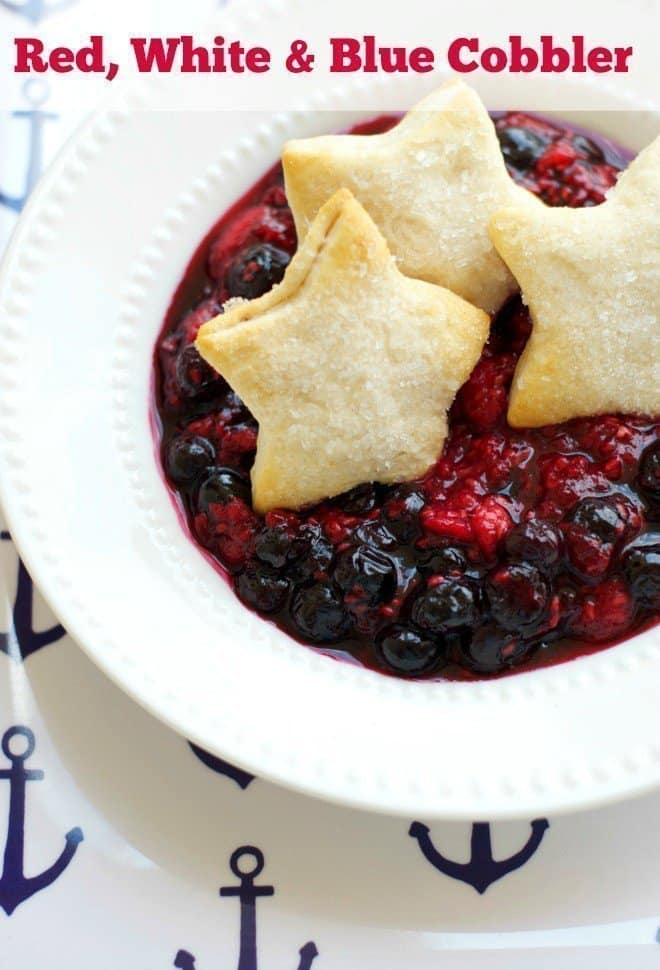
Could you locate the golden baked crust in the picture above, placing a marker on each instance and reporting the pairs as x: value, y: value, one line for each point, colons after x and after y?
x: 431, y: 185
x: 591, y: 279
x: 348, y: 365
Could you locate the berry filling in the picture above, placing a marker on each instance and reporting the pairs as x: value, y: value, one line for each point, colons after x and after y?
x: 518, y: 546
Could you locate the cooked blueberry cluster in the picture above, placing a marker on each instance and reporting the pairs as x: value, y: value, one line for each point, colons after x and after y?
x: 517, y: 544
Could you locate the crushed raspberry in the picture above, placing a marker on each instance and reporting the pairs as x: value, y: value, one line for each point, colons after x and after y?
x: 453, y: 524
x: 491, y: 522
x: 484, y: 398
x: 607, y: 611
x: 514, y: 540
x: 228, y: 530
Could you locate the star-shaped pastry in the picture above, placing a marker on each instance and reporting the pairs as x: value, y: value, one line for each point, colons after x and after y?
x: 348, y: 366
x: 430, y: 184
x: 591, y: 279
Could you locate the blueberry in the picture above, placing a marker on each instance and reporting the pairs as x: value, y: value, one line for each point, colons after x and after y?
x: 492, y: 649
x: 274, y: 546
x: 187, y: 456
x: 256, y: 270
x: 449, y: 604
x: 401, y: 512
x: 599, y: 517
x: 446, y: 561
x: 518, y: 594
x: 193, y: 374
x: 375, y: 533
x: 220, y: 486
x: 357, y: 501
x: 261, y: 589
x: 585, y: 146
x: 314, y: 553
x: 521, y: 148
x: 368, y: 573
x: 408, y: 652
x: 535, y: 541
x: 649, y: 472
x: 318, y: 613
x: 641, y: 568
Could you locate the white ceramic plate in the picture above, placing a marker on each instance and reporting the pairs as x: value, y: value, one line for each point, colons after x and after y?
x: 83, y: 292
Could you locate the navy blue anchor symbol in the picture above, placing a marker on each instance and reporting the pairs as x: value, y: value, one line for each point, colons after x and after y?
x: 35, y: 10
x: 248, y: 894
x: 24, y: 639
x: 36, y: 93
x: 222, y: 767
x: 482, y: 870
x: 15, y: 886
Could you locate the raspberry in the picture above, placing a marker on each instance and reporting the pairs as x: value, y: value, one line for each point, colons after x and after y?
x: 452, y: 523
x: 485, y: 397
x: 228, y: 530
x: 606, y: 612
x: 491, y: 523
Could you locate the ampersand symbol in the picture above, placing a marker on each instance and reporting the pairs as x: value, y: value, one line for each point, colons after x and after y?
x: 299, y: 61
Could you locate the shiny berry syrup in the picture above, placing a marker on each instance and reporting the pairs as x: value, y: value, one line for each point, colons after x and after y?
x: 517, y: 549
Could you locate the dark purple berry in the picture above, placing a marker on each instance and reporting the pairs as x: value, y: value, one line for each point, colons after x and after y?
x: 366, y: 573
x: 445, y: 561
x: 649, y: 472
x: 535, y: 541
x: 262, y: 590
x: 447, y: 604
x: 591, y: 151
x: 313, y: 552
x: 401, y: 512
x: 492, y: 649
x: 593, y: 528
x: 274, y: 546
x: 187, y: 457
x: 641, y: 568
x: 409, y: 652
x: 220, y: 486
x: 318, y: 613
x: 193, y: 374
x: 357, y: 501
x: 375, y: 533
x: 256, y: 270
x: 521, y: 148
x: 598, y: 516
x: 518, y: 594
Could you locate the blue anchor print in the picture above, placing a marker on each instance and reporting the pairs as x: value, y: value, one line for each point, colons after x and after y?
x: 36, y: 92
x: 482, y: 870
x: 248, y: 893
x: 184, y: 960
x: 23, y: 639
x: 15, y: 886
x: 242, y: 778
x: 36, y: 10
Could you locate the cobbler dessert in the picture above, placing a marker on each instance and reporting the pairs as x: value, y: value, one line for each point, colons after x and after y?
x: 499, y: 526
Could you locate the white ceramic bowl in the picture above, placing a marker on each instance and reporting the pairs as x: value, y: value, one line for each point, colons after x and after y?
x: 84, y: 288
